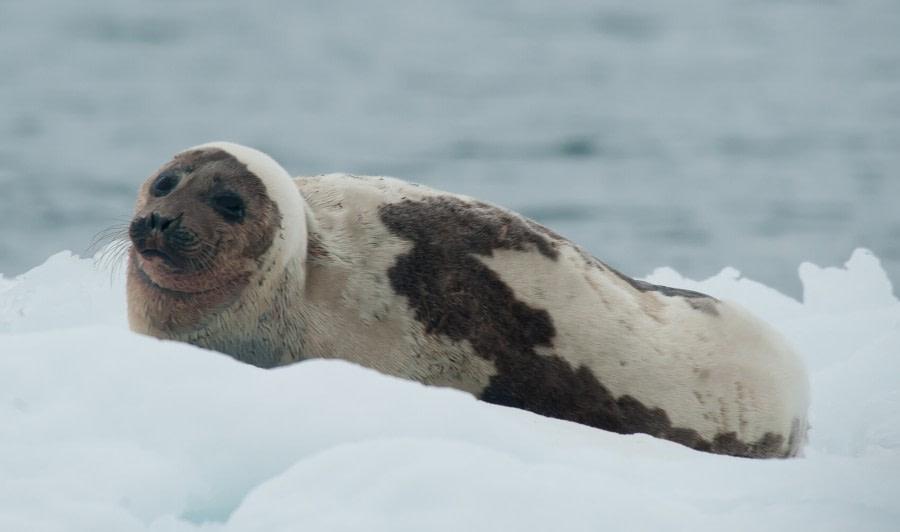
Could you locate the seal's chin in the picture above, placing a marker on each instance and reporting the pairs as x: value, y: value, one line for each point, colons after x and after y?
x: 158, y: 269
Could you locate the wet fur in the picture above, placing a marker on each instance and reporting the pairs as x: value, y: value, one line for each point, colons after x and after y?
x: 450, y: 291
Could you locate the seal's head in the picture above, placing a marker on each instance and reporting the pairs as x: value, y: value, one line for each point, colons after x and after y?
x: 214, y: 219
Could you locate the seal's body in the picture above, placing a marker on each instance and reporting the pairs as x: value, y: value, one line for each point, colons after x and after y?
x: 231, y: 254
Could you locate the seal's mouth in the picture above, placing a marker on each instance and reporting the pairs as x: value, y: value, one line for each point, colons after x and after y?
x: 152, y: 254
x: 154, y: 249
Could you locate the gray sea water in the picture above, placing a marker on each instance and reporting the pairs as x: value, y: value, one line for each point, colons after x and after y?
x: 695, y: 134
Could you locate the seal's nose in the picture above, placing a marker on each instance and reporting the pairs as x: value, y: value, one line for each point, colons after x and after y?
x: 152, y: 227
x: 155, y: 237
x: 158, y: 222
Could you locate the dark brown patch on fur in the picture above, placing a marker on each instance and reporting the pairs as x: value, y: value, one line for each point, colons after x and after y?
x: 464, y: 227
x: 557, y: 239
x: 546, y: 231
x: 644, y: 286
x: 769, y: 445
x: 697, y: 300
x: 456, y: 295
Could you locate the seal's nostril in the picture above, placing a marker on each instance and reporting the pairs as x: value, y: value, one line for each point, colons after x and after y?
x: 155, y: 222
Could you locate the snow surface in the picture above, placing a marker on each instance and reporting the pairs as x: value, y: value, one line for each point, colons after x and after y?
x: 102, y: 429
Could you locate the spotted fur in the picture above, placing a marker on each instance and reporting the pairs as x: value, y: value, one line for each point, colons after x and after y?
x: 450, y: 291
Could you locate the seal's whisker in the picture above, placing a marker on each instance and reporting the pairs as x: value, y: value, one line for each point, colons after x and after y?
x: 109, y: 248
x: 115, y: 232
x: 205, y: 258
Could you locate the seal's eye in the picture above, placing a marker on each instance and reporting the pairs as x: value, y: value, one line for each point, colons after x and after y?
x: 230, y: 206
x: 164, y: 184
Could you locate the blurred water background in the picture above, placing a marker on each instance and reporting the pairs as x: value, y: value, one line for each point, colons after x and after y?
x: 694, y: 134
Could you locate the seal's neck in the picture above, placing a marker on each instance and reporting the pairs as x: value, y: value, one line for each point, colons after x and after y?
x: 261, y: 326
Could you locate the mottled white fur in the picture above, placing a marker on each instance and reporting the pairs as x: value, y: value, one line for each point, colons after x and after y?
x: 714, y: 372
